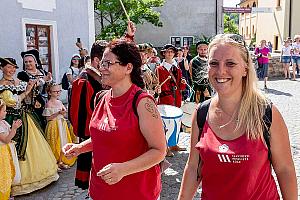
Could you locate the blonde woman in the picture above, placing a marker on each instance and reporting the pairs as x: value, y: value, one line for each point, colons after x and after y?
x: 234, y: 161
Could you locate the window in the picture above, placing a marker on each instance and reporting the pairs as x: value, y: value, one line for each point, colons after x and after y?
x: 38, y: 37
x: 253, y: 30
x: 179, y: 41
x: 276, y: 42
x: 242, y: 30
x: 254, y: 4
x: 247, y: 31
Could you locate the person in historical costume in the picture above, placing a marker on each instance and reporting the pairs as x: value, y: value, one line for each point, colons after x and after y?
x: 8, y: 155
x: 199, y: 73
x: 37, y: 163
x: 81, y: 106
x: 171, y: 83
x: 170, y: 75
x: 57, y: 130
x: 149, y: 77
x: 32, y: 70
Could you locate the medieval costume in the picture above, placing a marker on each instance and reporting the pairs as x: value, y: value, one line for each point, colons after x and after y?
x: 38, y: 97
x: 81, y: 106
x: 37, y: 163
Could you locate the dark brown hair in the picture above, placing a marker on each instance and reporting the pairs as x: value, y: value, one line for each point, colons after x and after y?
x: 127, y: 52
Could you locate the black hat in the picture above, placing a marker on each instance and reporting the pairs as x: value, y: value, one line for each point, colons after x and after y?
x: 169, y: 46
x: 33, y: 53
x: 5, y: 61
x: 202, y: 42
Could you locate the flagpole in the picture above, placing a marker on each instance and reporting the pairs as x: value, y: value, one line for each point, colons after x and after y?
x: 124, y: 10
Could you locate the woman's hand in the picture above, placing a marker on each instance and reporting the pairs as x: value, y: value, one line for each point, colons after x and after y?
x: 16, y: 124
x: 157, y: 89
x: 112, y: 173
x: 30, y: 85
x: 183, y: 81
x: 48, y: 77
x: 71, y: 150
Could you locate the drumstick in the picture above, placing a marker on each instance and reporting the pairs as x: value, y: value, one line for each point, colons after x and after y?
x: 165, y: 81
x: 124, y: 10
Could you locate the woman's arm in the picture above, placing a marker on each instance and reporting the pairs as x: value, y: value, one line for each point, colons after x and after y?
x: 281, y: 157
x: 189, y: 182
x: 71, y: 150
x: 148, y: 118
x: 7, y: 137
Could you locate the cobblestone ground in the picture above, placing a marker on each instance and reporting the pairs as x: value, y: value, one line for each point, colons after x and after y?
x: 283, y: 93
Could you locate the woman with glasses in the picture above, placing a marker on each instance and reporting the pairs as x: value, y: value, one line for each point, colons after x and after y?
x: 230, y: 155
x: 37, y: 164
x: 126, y: 148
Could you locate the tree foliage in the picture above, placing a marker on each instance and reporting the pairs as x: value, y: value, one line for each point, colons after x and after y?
x: 231, y: 23
x: 113, y: 20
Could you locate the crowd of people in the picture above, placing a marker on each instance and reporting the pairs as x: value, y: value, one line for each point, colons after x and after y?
x: 113, y: 95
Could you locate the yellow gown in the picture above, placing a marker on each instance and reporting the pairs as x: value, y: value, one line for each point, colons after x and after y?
x: 39, y: 168
x: 7, y: 171
x: 58, y: 134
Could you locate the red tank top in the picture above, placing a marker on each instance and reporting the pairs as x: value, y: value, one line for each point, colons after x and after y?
x: 236, y: 169
x: 117, y: 141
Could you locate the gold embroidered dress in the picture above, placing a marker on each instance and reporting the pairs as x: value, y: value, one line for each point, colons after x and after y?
x: 58, y: 134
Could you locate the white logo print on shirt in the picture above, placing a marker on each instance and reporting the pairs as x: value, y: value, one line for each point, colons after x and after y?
x: 230, y: 158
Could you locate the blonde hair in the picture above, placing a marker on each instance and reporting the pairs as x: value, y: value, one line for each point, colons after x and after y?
x: 253, y: 102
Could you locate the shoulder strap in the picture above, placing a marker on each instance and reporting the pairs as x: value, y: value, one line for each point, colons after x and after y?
x: 201, y: 117
x: 267, y: 118
x: 99, y: 96
x: 72, y: 71
x: 134, y: 106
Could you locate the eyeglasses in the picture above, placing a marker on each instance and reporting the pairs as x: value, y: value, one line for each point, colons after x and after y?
x: 235, y: 37
x: 76, y: 59
x: 107, y: 63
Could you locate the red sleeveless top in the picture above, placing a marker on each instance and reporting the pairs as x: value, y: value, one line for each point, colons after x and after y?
x: 236, y: 169
x: 116, y: 138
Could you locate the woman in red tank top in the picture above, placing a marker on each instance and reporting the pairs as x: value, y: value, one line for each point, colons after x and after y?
x: 233, y: 162
x: 126, y: 148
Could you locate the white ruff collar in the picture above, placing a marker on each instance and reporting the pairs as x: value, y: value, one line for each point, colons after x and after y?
x: 168, y: 66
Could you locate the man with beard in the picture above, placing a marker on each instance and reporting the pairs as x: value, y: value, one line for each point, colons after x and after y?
x: 199, y: 73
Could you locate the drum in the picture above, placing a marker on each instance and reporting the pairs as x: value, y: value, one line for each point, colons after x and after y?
x: 188, y: 108
x: 171, y: 117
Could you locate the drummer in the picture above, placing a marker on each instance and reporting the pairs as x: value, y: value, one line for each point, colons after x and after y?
x: 171, y: 82
x: 199, y: 73
x: 150, y: 79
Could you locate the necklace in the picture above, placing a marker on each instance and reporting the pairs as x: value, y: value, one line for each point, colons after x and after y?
x: 9, y: 80
x: 226, y: 124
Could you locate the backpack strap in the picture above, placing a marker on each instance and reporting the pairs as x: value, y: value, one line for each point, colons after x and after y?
x: 201, y: 118
x: 134, y: 106
x: 267, y: 118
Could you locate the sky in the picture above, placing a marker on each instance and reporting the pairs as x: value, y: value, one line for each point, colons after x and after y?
x: 230, y: 3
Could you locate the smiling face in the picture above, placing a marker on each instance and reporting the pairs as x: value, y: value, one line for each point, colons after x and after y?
x: 30, y: 63
x: 226, y: 69
x: 112, y: 72
x: 9, y: 71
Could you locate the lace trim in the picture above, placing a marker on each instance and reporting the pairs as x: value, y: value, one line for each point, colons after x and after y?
x: 19, y: 88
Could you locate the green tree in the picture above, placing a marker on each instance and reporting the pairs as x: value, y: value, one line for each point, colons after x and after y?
x: 112, y: 18
x: 231, y: 23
